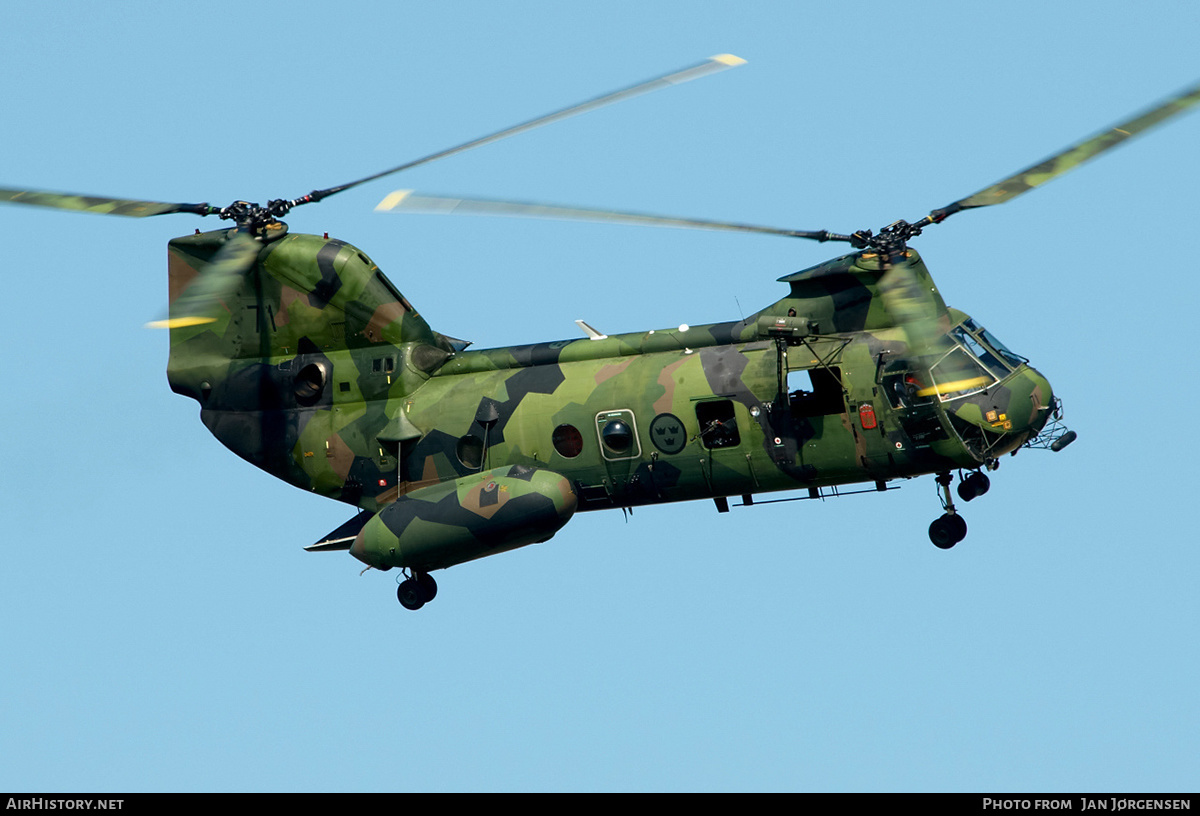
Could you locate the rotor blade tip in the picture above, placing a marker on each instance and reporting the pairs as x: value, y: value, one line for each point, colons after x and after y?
x: 179, y: 322
x: 729, y: 59
x: 393, y: 200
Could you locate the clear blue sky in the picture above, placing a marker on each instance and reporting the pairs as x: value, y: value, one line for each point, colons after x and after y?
x: 161, y: 627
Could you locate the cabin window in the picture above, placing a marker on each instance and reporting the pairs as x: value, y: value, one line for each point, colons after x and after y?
x: 568, y: 441
x: 718, y: 424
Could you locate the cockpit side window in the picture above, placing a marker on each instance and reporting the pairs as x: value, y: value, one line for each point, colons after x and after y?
x: 901, y: 385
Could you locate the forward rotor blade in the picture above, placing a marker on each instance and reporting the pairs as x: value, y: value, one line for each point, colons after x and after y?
x: 915, y: 310
x: 99, y: 205
x: 709, y: 66
x: 408, y: 201
x: 215, y: 282
x: 912, y: 307
x: 1072, y: 157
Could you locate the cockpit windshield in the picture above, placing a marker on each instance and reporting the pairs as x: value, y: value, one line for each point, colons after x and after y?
x: 959, y: 372
x: 996, y: 368
x: 969, y: 360
x: 975, y: 363
x: 1014, y: 360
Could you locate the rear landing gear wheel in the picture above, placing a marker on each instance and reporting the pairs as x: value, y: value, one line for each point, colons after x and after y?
x: 415, y: 592
x: 947, y: 531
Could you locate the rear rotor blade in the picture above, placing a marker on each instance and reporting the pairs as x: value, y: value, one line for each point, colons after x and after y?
x: 1072, y: 157
x: 216, y: 281
x: 99, y: 205
x: 408, y: 201
x: 709, y: 66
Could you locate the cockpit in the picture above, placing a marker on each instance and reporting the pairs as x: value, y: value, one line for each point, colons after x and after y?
x: 974, y: 361
x: 966, y: 360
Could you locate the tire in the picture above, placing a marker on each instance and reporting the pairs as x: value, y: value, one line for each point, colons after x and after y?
x: 947, y: 531
x: 410, y: 595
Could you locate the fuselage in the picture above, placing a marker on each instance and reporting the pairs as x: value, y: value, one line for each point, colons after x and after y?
x: 325, y: 376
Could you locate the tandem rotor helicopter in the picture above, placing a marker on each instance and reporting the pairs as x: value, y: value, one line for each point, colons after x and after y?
x: 310, y: 364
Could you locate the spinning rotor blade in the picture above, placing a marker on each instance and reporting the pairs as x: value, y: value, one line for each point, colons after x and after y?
x: 890, y: 242
x: 915, y: 310
x: 215, y: 282
x: 1068, y: 159
x: 255, y: 217
x: 131, y: 208
x: 408, y: 201
x: 709, y: 66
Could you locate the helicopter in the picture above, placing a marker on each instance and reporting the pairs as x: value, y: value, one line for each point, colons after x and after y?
x: 309, y: 363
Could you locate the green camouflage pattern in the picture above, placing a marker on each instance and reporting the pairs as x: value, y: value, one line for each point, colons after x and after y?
x: 1077, y: 154
x: 317, y: 370
x: 99, y: 205
x: 467, y: 518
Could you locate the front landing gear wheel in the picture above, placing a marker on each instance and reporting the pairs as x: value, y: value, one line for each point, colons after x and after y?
x: 415, y: 592
x: 410, y: 595
x: 947, y: 531
x: 973, y: 486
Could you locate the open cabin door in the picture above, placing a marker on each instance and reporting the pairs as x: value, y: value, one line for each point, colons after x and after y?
x: 814, y: 416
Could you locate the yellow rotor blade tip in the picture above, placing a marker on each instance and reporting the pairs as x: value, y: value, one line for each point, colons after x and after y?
x: 393, y: 200
x: 179, y: 322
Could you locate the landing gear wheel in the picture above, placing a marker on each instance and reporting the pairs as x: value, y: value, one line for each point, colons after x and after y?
x: 947, y: 531
x: 973, y: 486
x: 415, y: 592
x: 427, y: 585
x: 410, y: 595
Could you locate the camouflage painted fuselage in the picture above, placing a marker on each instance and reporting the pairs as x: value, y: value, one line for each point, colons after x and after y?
x: 322, y: 374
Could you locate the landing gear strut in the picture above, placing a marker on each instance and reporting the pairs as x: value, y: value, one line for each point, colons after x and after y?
x: 950, y: 528
x: 415, y: 592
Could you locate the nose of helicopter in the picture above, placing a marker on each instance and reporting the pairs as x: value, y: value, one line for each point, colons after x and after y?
x: 1031, y: 402
x: 1009, y: 414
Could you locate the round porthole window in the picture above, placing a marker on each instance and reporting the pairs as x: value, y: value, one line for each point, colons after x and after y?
x: 567, y: 441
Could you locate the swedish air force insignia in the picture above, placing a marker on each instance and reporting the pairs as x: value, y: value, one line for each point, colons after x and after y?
x: 668, y: 434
